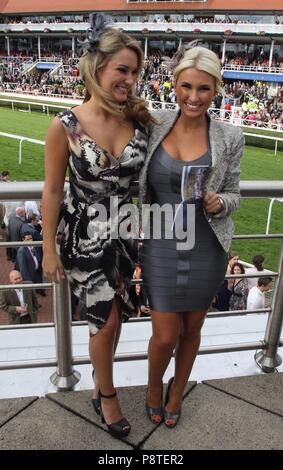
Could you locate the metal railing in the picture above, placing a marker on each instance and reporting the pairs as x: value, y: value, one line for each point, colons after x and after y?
x: 66, y: 377
x: 253, y: 68
x: 233, y: 116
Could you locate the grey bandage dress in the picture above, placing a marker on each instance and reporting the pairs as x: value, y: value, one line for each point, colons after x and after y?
x: 187, y: 279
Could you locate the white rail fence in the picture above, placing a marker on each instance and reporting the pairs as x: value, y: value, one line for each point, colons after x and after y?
x: 224, y: 115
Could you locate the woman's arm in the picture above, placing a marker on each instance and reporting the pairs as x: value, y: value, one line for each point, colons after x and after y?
x: 230, y: 193
x: 245, y: 288
x: 56, y: 161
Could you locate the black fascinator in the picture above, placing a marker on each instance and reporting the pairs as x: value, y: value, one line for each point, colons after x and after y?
x: 98, y: 24
x: 179, y: 54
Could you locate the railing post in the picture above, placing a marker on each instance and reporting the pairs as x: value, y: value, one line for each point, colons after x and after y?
x: 20, y: 151
x: 269, y: 216
x: 269, y: 359
x: 65, y: 377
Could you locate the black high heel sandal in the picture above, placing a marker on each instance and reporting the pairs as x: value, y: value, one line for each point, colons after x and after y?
x: 155, y: 412
x: 119, y: 429
x: 174, y: 415
x: 96, y: 402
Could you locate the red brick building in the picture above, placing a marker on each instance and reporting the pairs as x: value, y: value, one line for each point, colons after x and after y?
x: 8, y: 7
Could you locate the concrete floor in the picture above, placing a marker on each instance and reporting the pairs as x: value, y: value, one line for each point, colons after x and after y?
x: 236, y: 413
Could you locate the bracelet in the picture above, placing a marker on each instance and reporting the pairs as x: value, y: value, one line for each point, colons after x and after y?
x: 221, y: 202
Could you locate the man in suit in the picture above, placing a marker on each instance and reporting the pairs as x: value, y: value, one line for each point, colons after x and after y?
x: 32, y: 226
x: 20, y: 304
x: 15, y: 222
x: 29, y: 262
x: 217, y: 103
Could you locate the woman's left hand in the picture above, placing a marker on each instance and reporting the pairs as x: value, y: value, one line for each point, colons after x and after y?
x: 212, y: 203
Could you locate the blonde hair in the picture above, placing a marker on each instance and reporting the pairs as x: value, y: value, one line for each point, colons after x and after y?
x: 111, y: 42
x: 203, y: 60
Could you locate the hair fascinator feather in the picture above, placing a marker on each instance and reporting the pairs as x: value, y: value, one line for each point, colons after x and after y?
x: 179, y: 54
x: 98, y: 24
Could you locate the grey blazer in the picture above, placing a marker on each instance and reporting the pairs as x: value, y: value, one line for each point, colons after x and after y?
x: 226, y: 142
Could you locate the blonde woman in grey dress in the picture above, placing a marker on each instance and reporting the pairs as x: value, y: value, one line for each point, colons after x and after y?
x: 191, y: 160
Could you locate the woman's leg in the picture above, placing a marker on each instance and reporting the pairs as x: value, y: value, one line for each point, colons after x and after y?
x: 186, y: 351
x: 95, y: 379
x: 102, y: 348
x: 165, y: 332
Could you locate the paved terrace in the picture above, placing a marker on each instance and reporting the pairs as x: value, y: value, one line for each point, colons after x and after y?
x: 233, y: 413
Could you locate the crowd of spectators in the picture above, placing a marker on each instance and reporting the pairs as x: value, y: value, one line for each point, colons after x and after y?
x: 43, y: 19
x: 21, y: 221
x: 239, y: 293
x: 156, y: 18
x: 259, y: 60
x: 255, y: 103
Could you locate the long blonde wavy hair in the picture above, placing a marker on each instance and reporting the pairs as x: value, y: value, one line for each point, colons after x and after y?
x: 113, y: 41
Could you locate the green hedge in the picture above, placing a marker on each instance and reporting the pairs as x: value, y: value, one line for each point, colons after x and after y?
x: 263, y: 143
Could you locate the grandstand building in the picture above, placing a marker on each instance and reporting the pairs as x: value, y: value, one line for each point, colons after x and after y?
x: 41, y: 26
x: 43, y: 38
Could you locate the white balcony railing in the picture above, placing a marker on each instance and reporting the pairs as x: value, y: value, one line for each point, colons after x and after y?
x: 252, y: 68
x: 161, y: 27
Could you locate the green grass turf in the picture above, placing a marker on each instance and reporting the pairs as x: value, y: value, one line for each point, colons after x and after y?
x: 256, y: 164
x: 31, y: 125
x: 7, y: 102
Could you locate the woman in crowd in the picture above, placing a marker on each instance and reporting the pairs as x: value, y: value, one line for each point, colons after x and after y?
x: 239, y: 289
x: 103, y: 142
x: 193, y: 162
x: 222, y: 297
x: 258, y: 268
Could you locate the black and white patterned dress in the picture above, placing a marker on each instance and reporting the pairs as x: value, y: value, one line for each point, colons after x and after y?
x: 98, y: 265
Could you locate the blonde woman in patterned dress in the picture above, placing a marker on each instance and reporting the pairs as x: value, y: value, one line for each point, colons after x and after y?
x: 103, y: 142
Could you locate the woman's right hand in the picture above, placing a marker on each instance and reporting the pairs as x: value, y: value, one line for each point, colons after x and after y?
x: 230, y: 284
x: 52, y: 267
